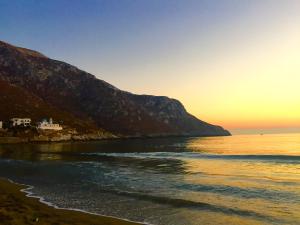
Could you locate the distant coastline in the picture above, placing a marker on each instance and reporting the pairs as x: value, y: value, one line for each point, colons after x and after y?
x: 85, y: 138
x: 279, y: 130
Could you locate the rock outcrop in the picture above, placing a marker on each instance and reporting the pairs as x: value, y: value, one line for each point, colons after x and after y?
x: 68, y: 89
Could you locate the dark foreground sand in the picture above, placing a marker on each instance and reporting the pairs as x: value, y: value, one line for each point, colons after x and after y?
x: 17, y: 209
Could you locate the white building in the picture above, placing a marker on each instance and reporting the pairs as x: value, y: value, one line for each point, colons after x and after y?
x: 49, y: 125
x: 25, y: 122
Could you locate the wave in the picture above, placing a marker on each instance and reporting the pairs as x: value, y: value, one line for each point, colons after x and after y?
x: 247, y: 193
x: 182, y: 203
x: 173, y: 202
x: 30, y: 194
x: 193, y: 155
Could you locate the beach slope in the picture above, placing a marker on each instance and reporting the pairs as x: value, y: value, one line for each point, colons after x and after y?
x: 17, y: 209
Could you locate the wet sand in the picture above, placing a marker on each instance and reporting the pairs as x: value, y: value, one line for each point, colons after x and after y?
x: 17, y: 209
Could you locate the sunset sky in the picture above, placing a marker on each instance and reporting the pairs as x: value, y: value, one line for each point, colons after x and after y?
x: 235, y: 63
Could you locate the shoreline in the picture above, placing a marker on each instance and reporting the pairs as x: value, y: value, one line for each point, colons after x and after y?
x: 20, y: 140
x: 18, y: 205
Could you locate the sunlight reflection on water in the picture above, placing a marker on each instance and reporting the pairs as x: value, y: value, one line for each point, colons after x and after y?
x: 243, y: 179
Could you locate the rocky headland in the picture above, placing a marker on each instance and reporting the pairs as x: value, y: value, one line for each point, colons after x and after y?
x: 35, y: 86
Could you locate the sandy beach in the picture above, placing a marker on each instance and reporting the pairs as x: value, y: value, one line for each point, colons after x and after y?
x: 16, y: 208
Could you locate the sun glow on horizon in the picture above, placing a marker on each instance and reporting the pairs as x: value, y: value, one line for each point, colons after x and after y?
x: 231, y: 63
x: 262, y: 90
x: 253, y: 85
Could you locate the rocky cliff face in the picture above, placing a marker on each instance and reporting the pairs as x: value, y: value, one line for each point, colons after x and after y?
x: 68, y: 89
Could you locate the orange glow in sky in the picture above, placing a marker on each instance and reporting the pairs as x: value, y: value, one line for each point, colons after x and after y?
x: 249, y: 76
x: 231, y: 63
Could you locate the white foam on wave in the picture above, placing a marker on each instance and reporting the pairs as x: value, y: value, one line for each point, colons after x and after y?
x: 197, y: 155
x: 28, y: 193
x: 148, y: 155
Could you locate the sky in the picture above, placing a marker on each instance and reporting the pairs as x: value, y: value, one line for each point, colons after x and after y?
x: 234, y: 63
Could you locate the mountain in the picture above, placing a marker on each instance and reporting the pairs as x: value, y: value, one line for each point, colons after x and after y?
x: 92, y: 102
x: 17, y: 102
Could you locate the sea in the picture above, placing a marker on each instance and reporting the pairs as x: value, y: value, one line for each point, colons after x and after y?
x: 240, y: 179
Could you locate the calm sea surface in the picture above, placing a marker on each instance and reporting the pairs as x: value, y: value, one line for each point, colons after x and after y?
x: 243, y: 179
